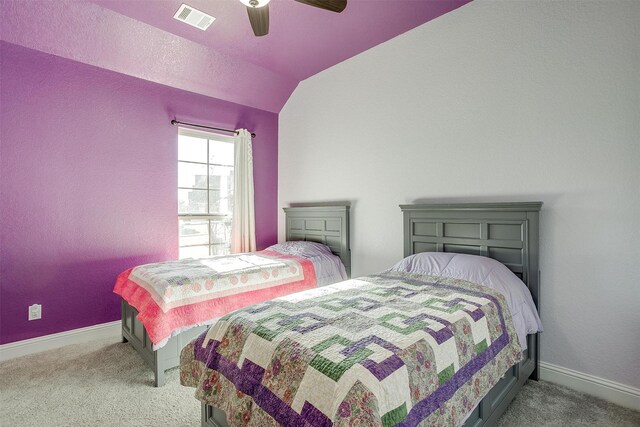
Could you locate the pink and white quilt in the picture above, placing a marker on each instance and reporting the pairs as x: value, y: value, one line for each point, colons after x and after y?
x: 175, y: 295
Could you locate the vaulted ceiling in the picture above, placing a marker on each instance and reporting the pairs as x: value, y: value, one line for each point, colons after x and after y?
x: 141, y: 38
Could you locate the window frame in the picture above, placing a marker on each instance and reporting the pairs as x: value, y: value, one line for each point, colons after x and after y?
x: 209, y: 216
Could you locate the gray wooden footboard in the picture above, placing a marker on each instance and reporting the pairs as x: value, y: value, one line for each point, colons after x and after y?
x: 162, y: 359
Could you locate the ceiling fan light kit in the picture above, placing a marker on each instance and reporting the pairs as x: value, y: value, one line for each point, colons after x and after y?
x: 255, y: 3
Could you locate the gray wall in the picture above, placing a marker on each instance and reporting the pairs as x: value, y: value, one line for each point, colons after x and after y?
x: 496, y: 101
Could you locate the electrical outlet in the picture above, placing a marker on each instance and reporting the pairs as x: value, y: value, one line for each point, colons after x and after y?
x: 35, y: 312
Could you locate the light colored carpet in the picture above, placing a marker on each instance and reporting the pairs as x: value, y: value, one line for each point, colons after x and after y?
x: 107, y: 384
x: 544, y: 404
x: 100, y: 384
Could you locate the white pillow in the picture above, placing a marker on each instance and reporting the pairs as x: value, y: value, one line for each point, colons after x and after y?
x: 328, y: 267
x: 484, y: 271
x: 301, y: 248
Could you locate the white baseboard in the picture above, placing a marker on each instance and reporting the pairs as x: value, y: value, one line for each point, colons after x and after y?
x: 611, y: 391
x: 49, y: 342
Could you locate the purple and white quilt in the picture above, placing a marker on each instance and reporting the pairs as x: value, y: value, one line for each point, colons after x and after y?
x: 383, y: 350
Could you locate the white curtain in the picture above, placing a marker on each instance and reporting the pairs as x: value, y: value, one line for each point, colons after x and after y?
x: 243, y: 226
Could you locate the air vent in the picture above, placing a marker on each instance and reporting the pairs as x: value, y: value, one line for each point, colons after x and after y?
x: 193, y: 17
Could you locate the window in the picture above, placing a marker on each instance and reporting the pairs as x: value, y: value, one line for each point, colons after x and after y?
x: 205, y: 193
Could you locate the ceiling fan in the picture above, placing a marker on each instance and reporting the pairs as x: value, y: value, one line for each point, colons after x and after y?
x: 258, y: 11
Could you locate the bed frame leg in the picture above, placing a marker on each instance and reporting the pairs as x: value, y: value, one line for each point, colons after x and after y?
x: 159, y: 365
x: 159, y: 378
x: 535, y: 375
x: 124, y: 339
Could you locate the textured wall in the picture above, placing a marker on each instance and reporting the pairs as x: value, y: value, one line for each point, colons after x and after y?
x: 88, y: 184
x: 93, y: 35
x: 496, y: 101
x: 227, y: 61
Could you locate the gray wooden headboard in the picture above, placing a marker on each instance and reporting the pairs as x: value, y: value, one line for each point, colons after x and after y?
x: 507, y: 232
x: 323, y: 224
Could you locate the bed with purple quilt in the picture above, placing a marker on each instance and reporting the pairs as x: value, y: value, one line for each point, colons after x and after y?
x: 438, y: 339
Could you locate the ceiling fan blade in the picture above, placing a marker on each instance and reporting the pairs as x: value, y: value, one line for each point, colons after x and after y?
x: 332, y: 5
x: 259, y: 18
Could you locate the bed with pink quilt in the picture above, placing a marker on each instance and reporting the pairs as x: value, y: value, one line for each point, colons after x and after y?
x: 166, y: 304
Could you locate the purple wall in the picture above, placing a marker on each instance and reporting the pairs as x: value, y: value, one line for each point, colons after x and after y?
x: 88, y: 184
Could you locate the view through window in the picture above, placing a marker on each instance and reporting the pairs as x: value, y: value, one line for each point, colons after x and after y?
x: 205, y: 193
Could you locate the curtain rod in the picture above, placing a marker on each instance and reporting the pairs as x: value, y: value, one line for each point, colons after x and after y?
x: 175, y: 123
